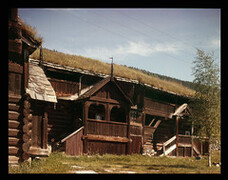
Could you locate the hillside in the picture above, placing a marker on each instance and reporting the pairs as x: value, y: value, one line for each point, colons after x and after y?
x: 97, y: 66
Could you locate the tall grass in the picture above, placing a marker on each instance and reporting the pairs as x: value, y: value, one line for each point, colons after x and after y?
x: 97, y: 66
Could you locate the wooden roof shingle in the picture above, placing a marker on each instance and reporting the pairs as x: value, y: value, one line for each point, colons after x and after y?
x: 38, y: 85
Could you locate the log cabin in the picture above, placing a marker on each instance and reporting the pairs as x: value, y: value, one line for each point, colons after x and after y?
x: 84, y: 112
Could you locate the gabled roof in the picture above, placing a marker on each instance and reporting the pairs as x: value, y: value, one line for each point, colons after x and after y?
x: 38, y: 85
x: 101, y: 84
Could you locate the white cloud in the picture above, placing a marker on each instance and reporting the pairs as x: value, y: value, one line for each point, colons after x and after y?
x: 146, y: 49
x: 134, y: 48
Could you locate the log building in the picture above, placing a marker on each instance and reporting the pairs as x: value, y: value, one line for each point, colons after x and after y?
x: 82, y: 112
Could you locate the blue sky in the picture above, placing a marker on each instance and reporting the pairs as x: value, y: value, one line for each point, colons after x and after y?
x: 162, y: 41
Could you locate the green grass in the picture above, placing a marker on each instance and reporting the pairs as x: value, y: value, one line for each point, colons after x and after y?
x: 61, y: 163
x: 97, y: 66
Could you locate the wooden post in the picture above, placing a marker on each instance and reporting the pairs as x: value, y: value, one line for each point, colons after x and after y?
x: 107, y: 112
x: 177, y: 138
x: 128, y: 129
x: 85, y: 114
x: 45, y: 133
x: 192, y: 130
x: 143, y: 125
x: 164, y: 149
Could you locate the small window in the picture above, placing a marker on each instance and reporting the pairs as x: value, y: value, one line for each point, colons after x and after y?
x: 96, y: 112
x: 118, y: 114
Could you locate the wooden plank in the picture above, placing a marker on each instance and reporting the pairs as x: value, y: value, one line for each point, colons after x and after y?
x: 13, y: 124
x: 106, y: 138
x: 13, y: 115
x: 13, y: 159
x: 14, y: 98
x: 13, y: 132
x: 26, y: 74
x: 34, y: 130
x: 13, y: 150
x: 12, y: 141
x: 45, y: 133
x: 15, y: 45
x: 13, y: 107
x: 17, y: 84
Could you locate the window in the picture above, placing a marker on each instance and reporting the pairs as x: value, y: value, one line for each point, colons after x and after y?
x: 96, y: 112
x: 118, y: 114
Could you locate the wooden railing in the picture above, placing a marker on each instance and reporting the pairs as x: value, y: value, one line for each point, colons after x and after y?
x: 185, y: 139
x: 169, y: 146
x: 107, y: 128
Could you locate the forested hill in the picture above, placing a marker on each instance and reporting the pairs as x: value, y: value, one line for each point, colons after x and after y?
x: 184, y: 83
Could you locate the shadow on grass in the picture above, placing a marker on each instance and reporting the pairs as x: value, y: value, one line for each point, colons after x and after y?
x: 157, y: 167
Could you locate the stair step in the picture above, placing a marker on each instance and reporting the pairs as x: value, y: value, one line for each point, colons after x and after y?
x: 148, y: 144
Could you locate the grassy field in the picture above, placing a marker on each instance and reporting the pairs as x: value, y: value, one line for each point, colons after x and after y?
x: 118, y: 164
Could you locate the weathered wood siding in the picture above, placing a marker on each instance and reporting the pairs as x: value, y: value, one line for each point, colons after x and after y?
x: 158, y: 108
x: 107, y: 128
x: 63, y: 87
x: 104, y: 147
x: 74, y: 144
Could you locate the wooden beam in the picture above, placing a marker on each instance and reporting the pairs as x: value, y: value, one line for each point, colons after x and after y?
x: 151, y: 122
x: 104, y: 100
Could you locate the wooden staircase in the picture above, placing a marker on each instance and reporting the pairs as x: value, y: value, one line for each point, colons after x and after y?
x: 168, y: 146
x: 148, y: 137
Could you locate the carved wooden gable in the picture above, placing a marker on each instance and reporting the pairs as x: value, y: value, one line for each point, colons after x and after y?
x: 107, y: 89
x: 110, y: 91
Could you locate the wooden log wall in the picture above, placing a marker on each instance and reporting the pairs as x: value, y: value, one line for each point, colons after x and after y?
x: 27, y: 128
x: 15, y: 113
x: 15, y: 132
